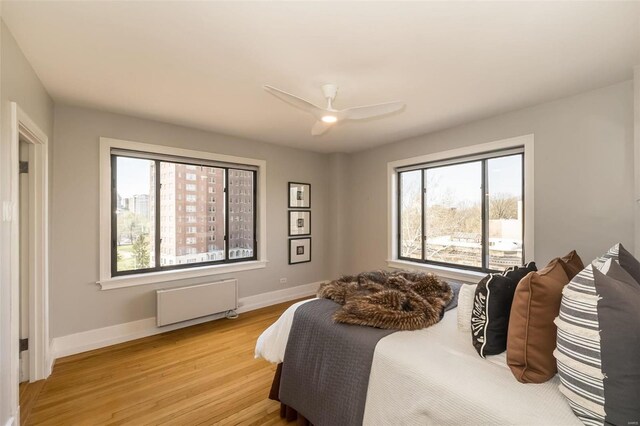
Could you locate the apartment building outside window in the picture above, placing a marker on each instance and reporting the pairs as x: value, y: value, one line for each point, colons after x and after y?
x: 151, y: 195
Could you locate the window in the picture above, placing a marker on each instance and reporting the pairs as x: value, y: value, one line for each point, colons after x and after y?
x: 147, y: 206
x: 466, y: 212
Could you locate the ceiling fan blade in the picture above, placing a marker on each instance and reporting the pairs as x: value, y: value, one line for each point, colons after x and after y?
x: 297, y: 102
x: 320, y: 127
x: 370, y: 111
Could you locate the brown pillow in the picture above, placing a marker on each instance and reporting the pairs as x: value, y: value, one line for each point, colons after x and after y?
x: 532, y: 334
x: 572, y: 264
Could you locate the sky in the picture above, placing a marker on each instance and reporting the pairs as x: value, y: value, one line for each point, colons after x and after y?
x: 505, y: 175
x: 134, y: 176
x: 463, y: 180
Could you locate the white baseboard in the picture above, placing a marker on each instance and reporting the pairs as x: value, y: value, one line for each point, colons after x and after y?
x: 51, y: 359
x: 258, y: 301
x: 11, y: 421
x: 106, y: 336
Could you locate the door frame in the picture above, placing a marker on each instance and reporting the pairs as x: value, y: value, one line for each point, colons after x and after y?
x: 23, y: 128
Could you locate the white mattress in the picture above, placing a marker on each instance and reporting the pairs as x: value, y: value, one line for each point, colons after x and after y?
x: 434, y: 376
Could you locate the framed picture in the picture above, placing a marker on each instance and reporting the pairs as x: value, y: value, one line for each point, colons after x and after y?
x: 299, y: 195
x: 299, y: 250
x: 299, y: 222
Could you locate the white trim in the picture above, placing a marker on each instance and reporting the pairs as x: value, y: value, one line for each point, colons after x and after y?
x: 106, y: 281
x: 106, y: 336
x: 392, y: 185
x: 181, y: 274
x: 12, y: 420
x: 23, y: 127
x: 636, y: 165
x: 258, y: 301
x: 19, y: 125
x: 457, y: 274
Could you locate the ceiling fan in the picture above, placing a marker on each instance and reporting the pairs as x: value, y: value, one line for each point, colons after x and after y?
x: 326, y: 117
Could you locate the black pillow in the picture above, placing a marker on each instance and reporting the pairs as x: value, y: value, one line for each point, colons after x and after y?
x: 492, y: 307
x: 516, y: 273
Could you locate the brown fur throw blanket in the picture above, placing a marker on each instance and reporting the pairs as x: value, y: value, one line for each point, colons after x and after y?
x: 391, y: 300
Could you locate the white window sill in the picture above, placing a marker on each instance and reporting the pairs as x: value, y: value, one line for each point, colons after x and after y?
x: 442, y: 271
x: 178, y: 274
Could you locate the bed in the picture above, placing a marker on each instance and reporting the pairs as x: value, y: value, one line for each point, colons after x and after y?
x: 434, y: 376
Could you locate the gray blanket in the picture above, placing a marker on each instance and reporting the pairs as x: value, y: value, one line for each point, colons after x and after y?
x: 455, y: 287
x: 325, y: 373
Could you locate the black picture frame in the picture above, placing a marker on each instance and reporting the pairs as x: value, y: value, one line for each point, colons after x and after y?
x: 291, y: 243
x: 292, y: 217
x: 292, y: 202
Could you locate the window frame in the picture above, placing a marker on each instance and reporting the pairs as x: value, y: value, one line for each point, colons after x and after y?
x: 174, y: 272
x: 158, y: 209
x: 484, y: 181
x: 458, y: 156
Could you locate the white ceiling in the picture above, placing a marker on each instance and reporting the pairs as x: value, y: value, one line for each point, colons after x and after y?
x: 203, y: 64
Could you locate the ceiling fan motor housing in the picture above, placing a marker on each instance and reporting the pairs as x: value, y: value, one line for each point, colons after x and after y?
x: 330, y: 91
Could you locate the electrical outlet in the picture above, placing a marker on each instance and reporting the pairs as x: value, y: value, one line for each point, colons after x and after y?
x: 283, y: 280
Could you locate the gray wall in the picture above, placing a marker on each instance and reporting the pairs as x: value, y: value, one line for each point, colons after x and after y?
x: 583, y: 175
x: 583, y: 196
x: 18, y: 83
x: 77, y: 304
x: 340, y: 212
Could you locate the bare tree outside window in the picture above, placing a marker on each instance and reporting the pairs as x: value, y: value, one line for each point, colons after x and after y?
x: 411, y: 214
x: 454, y: 214
x: 504, y: 193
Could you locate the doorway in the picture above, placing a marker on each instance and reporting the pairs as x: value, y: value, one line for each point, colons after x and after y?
x: 15, y: 298
x: 29, y: 260
x: 24, y: 215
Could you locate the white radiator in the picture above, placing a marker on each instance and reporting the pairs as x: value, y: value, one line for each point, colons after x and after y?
x: 194, y: 301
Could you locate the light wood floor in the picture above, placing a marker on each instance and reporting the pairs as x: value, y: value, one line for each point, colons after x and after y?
x: 204, y: 374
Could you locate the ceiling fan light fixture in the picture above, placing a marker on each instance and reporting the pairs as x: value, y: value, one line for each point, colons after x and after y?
x: 326, y: 117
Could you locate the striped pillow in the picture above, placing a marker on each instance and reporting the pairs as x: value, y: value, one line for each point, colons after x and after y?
x: 578, y: 349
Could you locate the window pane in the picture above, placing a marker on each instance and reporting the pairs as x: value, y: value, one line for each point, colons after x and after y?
x: 505, y: 211
x: 135, y: 219
x: 191, y: 214
x: 241, y: 205
x: 453, y: 217
x: 411, y: 214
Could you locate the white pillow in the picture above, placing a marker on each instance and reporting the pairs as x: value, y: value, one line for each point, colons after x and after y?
x: 465, y: 306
